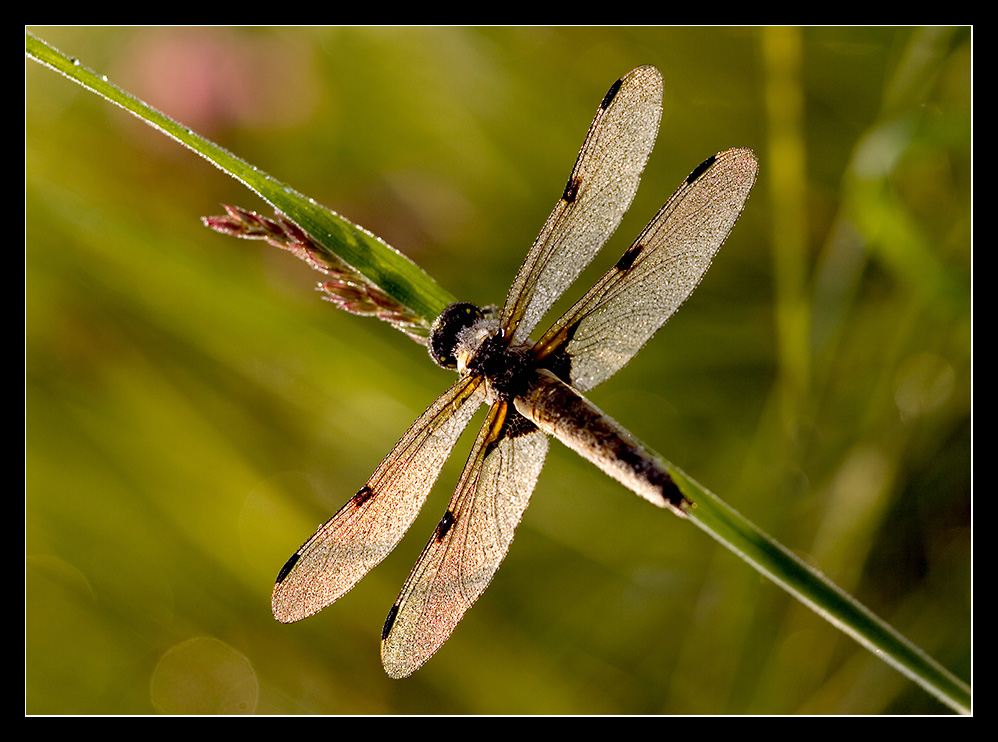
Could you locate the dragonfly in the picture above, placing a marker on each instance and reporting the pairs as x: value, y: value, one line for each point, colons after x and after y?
x: 534, y: 389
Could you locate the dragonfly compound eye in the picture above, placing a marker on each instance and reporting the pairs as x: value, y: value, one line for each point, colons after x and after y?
x: 443, y: 335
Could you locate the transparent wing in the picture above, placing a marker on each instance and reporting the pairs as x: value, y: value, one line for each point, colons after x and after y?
x: 599, y: 191
x: 470, y: 541
x: 604, y: 330
x: 368, y: 527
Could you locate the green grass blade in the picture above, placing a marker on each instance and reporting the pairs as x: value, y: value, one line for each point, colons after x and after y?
x: 384, y: 266
x: 817, y: 592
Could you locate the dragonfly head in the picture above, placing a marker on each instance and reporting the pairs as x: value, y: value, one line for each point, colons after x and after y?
x: 456, y: 334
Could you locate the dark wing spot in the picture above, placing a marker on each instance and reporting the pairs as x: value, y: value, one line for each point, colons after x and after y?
x: 701, y: 169
x: 364, y: 494
x: 628, y: 258
x: 571, y: 190
x: 444, y: 526
x: 288, y: 566
x: 611, y: 94
x: 389, y: 622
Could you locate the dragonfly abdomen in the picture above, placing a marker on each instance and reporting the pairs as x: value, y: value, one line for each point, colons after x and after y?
x: 561, y: 411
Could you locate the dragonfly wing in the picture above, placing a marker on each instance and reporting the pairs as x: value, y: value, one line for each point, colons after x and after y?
x: 598, y: 193
x: 604, y: 330
x: 470, y: 541
x: 368, y: 527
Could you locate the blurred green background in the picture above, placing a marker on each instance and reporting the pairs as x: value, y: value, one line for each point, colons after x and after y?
x: 194, y: 410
